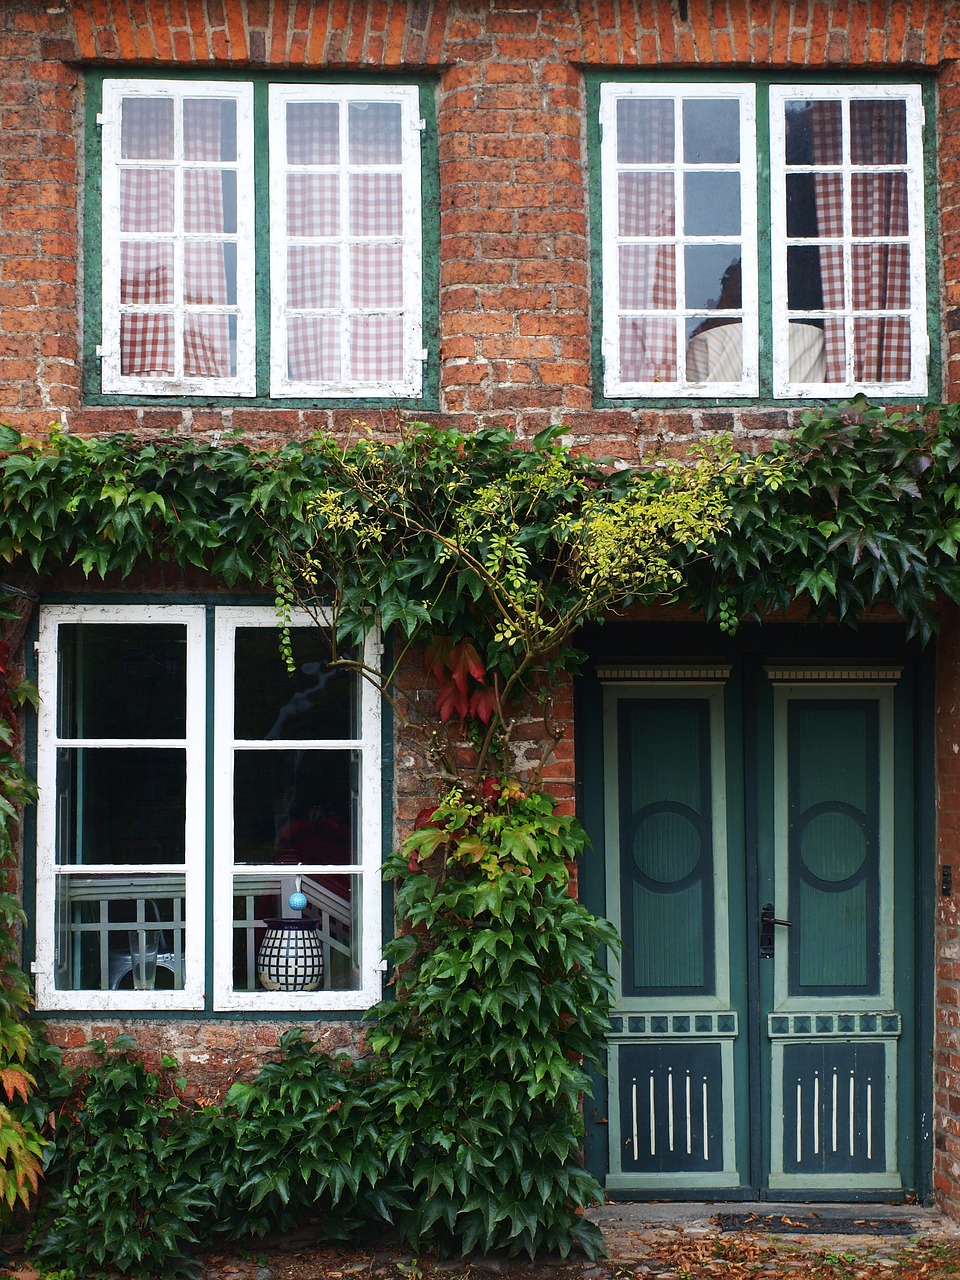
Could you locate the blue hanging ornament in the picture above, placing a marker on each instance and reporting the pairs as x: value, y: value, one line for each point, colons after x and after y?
x: 297, y: 901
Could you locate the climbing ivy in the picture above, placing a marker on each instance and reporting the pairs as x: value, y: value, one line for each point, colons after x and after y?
x: 493, y: 556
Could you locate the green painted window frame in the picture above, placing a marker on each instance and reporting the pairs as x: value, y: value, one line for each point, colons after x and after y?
x: 762, y: 83
x: 94, y: 395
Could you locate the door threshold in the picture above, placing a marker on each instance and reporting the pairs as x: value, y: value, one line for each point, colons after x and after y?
x: 705, y: 1216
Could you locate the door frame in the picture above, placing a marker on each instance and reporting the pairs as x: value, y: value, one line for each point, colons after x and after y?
x: 747, y: 654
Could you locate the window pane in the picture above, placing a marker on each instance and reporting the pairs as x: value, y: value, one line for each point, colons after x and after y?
x: 146, y: 129
x: 146, y: 200
x: 210, y: 273
x: 119, y: 933
x: 878, y: 131
x: 645, y: 131
x: 711, y: 131
x: 879, y: 204
x: 715, y: 351
x: 807, y: 352
x: 313, y: 133
x: 146, y: 345
x: 814, y: 132
x: 881, y: 349
x: 802, y: 189
x: 648, y: 350
x: 209, y: 129
x: 205, y: 196
x: 376, y: 204
x: 313, y: 349
x: 374, y: 132
x: 376, y: 275
x: 313, y: 204
x: 713, y: 275
x: 313, y: 276
x: 122, y: 681
x: 317, y: 702
x: 376, y: 348
x: 646, y: 204
x: 881, y: 276
x: 295, y: 806
x: 807, y: 266
x: 647, y: 277
x: 324, y: 958
x: 209, y: 345
x: 711, y: 204
x: 122, y: 805
x: 146, y: 271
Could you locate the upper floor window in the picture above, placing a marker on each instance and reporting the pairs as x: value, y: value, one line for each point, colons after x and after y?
x: 737, y: 222
x: 188, y: 231
x: 190, y: 790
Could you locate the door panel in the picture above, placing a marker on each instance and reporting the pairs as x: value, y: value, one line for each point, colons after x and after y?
x: 712, y: 1039
x: 827, y: 995
x: 672, y: 1048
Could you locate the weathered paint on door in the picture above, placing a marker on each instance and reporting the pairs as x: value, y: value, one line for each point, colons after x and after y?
x: 760, y: 873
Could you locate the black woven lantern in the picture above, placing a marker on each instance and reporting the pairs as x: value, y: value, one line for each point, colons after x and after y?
x: 291, y: 955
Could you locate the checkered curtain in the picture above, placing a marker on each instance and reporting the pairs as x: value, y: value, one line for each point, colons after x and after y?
x: 879, y: 272
x: 374, y: 269
x: 147, y: 338
x: 648, y: 272
x: 313, y: 209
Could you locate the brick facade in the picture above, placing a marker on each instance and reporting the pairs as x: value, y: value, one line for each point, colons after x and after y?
x: 514, y: 302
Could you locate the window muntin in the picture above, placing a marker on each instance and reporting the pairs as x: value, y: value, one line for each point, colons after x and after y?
x: 177, y: 251
x: 345, y: 211
x: 292, y: 802
x: 847, y: 303
x: 679, y: 262
x: 848, y: 237
x: 183, y: 231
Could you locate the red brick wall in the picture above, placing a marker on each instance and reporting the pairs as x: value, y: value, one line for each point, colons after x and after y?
x: 515, y: 320
x: 514, y: 302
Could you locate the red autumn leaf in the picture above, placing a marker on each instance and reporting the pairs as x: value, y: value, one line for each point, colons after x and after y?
x: 483, y: 703
x: 436, y: 657
x: 451, y: 701
x: 464, y: 661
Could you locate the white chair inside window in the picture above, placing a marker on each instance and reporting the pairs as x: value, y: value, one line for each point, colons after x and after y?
x: 124, y: 959
x: 716, y: 354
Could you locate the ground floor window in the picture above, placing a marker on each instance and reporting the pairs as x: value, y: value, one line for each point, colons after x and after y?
x: 208, y: 830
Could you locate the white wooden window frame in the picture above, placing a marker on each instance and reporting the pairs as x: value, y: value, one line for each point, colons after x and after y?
x: 915, y: 239
x: 49, y: 744
x: 411, y: 239
x: 113, y: 380
x: 217, y: 802
x: 367, y: 870
x: 610, y: 169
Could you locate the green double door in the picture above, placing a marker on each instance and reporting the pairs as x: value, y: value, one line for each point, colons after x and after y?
x: 759, y: 853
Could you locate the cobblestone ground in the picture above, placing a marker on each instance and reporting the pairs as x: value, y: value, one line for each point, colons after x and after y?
x: 694, y: 1247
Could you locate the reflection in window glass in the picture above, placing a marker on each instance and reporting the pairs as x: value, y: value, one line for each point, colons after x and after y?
x: 121, y: 805
x: 295, y: 806
x: 317, y: 701
x: 122, y: 681
x: 711, y: 131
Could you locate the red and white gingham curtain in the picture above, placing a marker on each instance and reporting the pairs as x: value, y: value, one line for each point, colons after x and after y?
x: 648, y: 273
x: 147, y: 337
x: 879, y: 273
x: 369, y: 280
